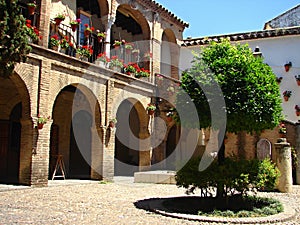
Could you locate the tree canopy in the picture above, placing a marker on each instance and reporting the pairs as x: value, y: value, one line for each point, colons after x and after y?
x: 248, y: 85
x: 13, y: 37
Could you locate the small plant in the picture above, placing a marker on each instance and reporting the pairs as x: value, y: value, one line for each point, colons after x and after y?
x: 282, y: 128
x: 101, y: 34
x: 54, y: 40
x: 112, y: 122
x: 287, y: 93
x: 129, y: 46
x: 151, y: 107
x: 117, y: 43
x: 64, y: 42
x: 88, y: 30
x: 278, y: 80
x: 75, y: 22
x: 131, y: 68
x: 143, y: 73
x: 116, y: 62
x: 32, y: 31
x: 60, y: 16
x: 85, y: 51
x: 103, y: 58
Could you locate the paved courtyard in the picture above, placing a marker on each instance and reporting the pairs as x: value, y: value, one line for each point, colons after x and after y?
x: 89, y: 202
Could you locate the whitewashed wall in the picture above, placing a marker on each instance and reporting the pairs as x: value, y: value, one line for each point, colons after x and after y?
x: 276, y: 52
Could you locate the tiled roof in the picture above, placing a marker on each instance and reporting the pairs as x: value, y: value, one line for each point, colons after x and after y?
x: 157, y: 7
x: 244, y: 36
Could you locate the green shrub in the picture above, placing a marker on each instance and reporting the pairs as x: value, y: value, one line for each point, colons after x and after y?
x: 234, y: 175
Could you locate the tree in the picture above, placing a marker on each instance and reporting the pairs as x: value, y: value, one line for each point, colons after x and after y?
x: 251, y: 94
x: 13, y: 39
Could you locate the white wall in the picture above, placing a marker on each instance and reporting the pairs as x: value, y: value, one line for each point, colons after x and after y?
x: 276, y: 52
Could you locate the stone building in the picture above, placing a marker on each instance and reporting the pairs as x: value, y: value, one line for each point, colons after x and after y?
x: 80, y: 97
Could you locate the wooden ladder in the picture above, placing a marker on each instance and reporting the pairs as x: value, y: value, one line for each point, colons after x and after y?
x: 59, y: 166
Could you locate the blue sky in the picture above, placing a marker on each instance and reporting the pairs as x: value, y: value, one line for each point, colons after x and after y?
x: 207, y: 18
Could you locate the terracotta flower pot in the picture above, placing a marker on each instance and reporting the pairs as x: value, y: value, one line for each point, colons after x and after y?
x: 151, y: 112
x: 297, y: 113
x: 58, y: 21
x: 298, y: 82
x: 169, y: 119
x: 74, y: 27
x: 111, y: 124
x: 87, y: 33
x: 40, y: 126
x: 287, y: 67
x: 31, y: 10
x: 286, y: 98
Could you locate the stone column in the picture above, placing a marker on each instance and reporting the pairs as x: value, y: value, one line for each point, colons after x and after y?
x: 40, y: 156
x: 298, y: 152
x: 97, y: 152
x: 110, y: 22
x: 45, y: 22
x: 108, y: 153
x: 284, y: 164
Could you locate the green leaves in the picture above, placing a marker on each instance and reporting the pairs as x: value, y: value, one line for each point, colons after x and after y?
x: 249, y: 87
x: 13, y: 39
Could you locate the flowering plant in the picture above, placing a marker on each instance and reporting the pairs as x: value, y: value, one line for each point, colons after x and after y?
x: 42, y: 120
x: 287, y: 93
x: 117, y: 43
x: 101, y: 34
x: 60, y: 16
x: 282, y: 128
x: 102, y: 57
x: 54, y: 40
x: 85, y: 51
x: 143, y: 73
x: 64, y: 42
x: 128, y: 46
x: 75, y: 22
x: 131, y: 68
x: 32, y: 31
x: 151, y: 107
x: 114, y: 61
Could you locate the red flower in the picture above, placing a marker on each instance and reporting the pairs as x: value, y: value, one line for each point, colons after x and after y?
x: 86, y: 25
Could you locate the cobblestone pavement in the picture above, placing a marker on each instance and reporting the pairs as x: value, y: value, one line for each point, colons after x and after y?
x: 96, y: 203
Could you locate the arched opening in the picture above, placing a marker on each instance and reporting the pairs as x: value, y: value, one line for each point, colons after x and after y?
x: 73, y: 137
x: 10, y: 138
x: 169, y: 55
x: 80, y: 145
x: 171, y: 145
x: 127, y: 140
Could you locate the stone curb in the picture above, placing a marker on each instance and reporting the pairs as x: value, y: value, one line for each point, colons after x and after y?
x: 288, y: 214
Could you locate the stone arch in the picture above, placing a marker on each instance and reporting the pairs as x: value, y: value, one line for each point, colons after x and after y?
x: 130, y: 130
x: 16, y: 130
x: 72, y: 99
x: 169, y: 54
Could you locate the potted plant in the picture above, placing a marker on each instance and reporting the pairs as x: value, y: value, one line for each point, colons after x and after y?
x: 31, y: 7
x: 287, y: 95
x: 169, y: 116
x: 41, y: 121
x: 297, y: 108
x: 151, y: 108
x: 135, y: 52
x: 131, y: 68
x: 88, y: 30
x: 54, y: 42
x: 116, y: 64
x: 32, y: 32
x: 287, y: 66
x: 298, y: 79
x: 142, y: 73
x: 74, y: 24
x: 101, y: 36
x: 85, y: 52
x: 128, y: 47
x: 117, y: 44
x: 278, y: 80
x: 282, y: 130
x: 112, y: 122
x: 102, y: 60
x: 59, y: 18
x: 64, y: 44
